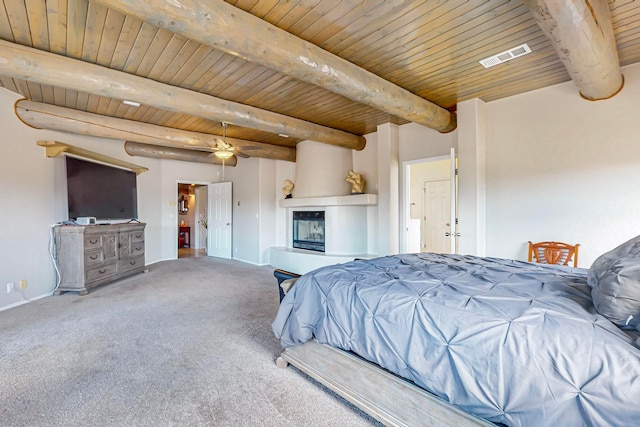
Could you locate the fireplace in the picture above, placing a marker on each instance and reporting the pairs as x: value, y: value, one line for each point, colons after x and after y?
x: 345, y: 232
x: 308, y: 230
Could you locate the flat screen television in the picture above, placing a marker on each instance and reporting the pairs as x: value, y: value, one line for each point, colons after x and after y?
x: 100, y: 191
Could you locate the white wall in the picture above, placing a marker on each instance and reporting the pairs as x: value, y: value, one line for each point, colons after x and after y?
x: 149, y: 202
x: 268, y: 208
x: 388, y: 180
x: 254, y: 209
x: 472, y: 177
x: 26, y: 186
x: 322, y: 170
x: 562, y: 168
x: 283, y: 170
x: 246, y: 209
x: 33, y: 199
x: 33, y: 194
x: 365, y: 162
x: 420, y: 142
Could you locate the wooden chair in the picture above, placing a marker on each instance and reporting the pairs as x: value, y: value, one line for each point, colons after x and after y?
x: 553, y: 253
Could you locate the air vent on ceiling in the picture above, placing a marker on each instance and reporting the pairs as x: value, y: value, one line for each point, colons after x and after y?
x: 505, y: 56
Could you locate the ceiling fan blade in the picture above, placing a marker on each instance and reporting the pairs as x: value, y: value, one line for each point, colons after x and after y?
x: 239, y: 154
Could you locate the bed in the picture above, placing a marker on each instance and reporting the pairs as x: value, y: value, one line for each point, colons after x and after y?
x: 509, y: 342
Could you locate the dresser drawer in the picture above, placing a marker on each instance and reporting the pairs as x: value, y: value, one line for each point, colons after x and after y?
x: 92, y: 241
x: 94, y: 256
x: 137, y: 236
x: 100, y: 272
x: 137, y: 248
x: 129, y: 264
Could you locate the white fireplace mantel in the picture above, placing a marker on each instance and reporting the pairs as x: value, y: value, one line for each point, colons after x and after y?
x: 345, y: 232
x: 350, y: 200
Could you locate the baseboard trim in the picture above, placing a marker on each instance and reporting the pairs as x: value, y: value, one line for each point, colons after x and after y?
x: 250, y: 262
x: 25, y: 301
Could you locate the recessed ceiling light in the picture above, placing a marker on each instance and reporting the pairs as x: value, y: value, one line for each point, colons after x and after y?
x: 505, y: 56
x: 132, y: 103
x: 283, y: 135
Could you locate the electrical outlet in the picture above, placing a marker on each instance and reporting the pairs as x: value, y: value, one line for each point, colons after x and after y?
x: 10, y: 287
x: 23, y: 284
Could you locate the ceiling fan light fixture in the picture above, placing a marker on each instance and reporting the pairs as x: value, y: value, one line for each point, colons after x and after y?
x: 226, y: 153
x: 223, y: 154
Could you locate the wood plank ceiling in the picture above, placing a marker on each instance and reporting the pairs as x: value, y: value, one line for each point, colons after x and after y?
x: 430, y: 48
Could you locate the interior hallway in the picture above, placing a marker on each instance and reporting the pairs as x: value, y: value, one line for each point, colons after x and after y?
x: 191, y: 253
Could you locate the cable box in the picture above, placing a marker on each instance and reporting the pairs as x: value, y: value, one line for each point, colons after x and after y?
x: 86, y: 220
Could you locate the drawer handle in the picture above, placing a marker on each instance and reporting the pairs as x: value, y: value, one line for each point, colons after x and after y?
x: 138, y: 236
x: 102, y: 271
x: 132, y: 262
x: 93, y: 256
x: 138, y: 248
x: 93, y: 242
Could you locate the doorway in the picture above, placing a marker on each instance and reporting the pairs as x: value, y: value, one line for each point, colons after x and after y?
x: 191, y: 227
x: 430, y: 194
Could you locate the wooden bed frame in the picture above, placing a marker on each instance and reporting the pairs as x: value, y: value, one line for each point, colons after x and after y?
x: 386, y: 397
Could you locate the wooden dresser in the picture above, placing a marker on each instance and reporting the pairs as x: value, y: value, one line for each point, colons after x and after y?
x: 91, y: 255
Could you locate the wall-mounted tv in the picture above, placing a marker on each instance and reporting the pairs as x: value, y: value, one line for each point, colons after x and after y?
x: 101, y: 191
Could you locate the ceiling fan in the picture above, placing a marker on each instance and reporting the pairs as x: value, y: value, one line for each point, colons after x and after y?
x: 222, y: 149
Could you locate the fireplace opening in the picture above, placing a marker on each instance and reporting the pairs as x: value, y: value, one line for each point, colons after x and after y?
x: 308, y: 230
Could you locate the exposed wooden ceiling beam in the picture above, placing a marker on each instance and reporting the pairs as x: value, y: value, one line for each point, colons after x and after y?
x: 581, y: 32
x: 160, y: 152
x: 236, y: 32
x: 33, y: 65
x: 45, y: 116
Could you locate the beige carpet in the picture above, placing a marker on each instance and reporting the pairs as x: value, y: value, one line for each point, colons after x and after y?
x: 187, y: 344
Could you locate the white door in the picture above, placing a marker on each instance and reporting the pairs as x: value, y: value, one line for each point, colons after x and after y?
x: 436, y: 221
x: 439, y: 220
x: 220, y: 224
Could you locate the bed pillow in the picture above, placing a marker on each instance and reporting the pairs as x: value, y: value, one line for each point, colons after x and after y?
x: 615, y: 284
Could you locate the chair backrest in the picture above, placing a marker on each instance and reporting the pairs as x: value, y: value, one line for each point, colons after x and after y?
x: 553, y: 253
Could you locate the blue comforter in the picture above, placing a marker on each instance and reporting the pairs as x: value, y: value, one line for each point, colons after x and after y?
x: 512, y: 342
